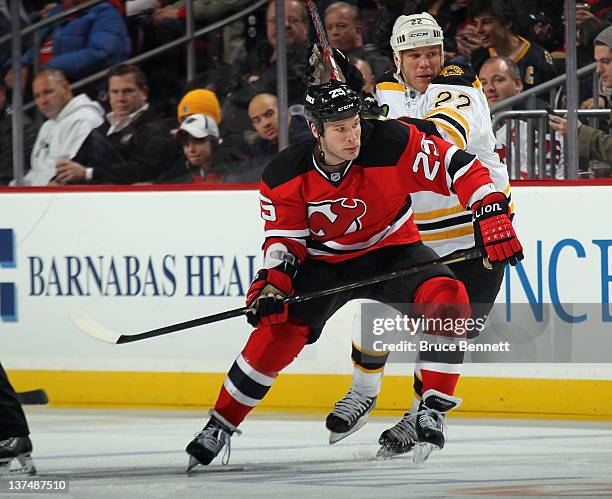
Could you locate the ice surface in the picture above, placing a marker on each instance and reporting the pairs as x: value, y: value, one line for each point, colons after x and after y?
x: 139, y: 453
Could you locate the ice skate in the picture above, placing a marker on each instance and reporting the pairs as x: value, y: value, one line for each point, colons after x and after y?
x: 423, y: 431
x: 209, y: 442
x: 399, y: 439
x: 349, y: 414
x: 20, y: 449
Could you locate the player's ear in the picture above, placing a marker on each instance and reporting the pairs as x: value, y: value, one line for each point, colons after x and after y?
x: 313, y: 130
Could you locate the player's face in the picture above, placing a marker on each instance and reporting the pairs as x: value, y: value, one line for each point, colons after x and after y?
x: 421, y: 65
x: 125, y: 96
x: 197, y: 151
x: 603, y: 57
x: 342, y: 140
x: 497, y: 82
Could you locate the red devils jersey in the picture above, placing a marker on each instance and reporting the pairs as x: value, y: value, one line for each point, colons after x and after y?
x: 337, y: 216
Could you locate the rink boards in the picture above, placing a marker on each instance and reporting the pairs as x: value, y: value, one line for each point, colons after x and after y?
x: 137, y: 259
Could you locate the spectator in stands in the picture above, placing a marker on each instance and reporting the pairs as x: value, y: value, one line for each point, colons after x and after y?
x: 168, y: 23
x: 501, y: 79
x: 199, y: 101
x: 197, y: 137
x: 263, y: 112
x: 6, y: 138
x: 344, y: 29
x: 594, y: 143
x: 69, y: 121
x: 132, y: 145
x: 259, y: 67
x: 369, y: 80
x: 495, y: 22
x: 83, y: 44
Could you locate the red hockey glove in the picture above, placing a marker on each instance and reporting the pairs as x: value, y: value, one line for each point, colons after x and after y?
x: 266, y: 297
x: 493, y: 230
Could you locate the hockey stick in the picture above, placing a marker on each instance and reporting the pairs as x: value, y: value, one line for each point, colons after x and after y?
x: 33, y: 397
x: 334, y: 70
x: 90, y: 327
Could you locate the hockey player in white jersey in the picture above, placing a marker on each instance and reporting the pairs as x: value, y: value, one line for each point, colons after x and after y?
x: 452, y: 98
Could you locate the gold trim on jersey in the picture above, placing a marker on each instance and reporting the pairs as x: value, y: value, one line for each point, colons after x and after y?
x: 390, y: 85
x: 457, y: 139
x: 439, y: 213
x: 463, y: 132
x: 477, y: 83
x: 447, y: 234
x: 521, y: 52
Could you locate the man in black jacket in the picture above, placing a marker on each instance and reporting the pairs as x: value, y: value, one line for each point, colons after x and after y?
x: 132, y: 145
x: 6, y: 138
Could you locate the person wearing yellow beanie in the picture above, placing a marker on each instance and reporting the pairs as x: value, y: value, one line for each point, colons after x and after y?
x: 200, y: 101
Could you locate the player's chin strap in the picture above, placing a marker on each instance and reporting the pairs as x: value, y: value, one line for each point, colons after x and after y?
x: 321, y: 153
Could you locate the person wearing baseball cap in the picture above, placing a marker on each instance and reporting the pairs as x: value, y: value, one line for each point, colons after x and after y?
x: 198, y: 137
x: 592, y: 142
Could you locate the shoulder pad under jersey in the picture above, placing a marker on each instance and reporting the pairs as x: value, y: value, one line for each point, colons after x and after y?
x: 457, y: 74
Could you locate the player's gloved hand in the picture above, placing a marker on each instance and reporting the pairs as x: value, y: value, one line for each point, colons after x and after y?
x: 493, y: 230
x: 370, y: 107
x: 266, y: 297
x: 317, y: 70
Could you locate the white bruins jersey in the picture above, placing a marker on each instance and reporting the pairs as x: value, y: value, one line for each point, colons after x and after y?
x: 455, y: 102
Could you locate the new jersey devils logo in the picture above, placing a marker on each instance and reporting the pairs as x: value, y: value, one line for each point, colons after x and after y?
x: 331, y: 219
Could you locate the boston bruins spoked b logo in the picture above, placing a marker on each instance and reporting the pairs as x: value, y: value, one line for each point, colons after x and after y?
x: 331, y: 219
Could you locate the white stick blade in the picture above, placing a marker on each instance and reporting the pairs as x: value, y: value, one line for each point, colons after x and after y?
x: 87, y: 325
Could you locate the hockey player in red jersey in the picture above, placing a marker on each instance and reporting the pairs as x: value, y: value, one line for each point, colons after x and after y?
x: 338, y: 209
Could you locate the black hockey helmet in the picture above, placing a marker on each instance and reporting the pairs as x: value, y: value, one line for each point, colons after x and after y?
x: 331, y: 101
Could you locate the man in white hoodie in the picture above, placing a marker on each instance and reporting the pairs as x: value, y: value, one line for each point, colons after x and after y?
x: 69, y: 121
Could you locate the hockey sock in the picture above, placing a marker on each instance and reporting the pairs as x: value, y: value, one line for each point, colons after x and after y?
x: 269, y: 350
x: 443, y: 382
x: 366, y: 383
x: 442, y: 298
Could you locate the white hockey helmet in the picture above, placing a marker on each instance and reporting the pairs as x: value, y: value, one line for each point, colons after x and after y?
x: 415, y: 31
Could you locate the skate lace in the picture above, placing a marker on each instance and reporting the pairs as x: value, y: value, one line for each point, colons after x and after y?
x: 352, y: 406
x: 216, y: 439
x: 430, y: 418
x: 405, y: 430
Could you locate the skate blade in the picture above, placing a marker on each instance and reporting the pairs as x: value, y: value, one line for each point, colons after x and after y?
x: 336, y: 437
x: 26, y: 466
x: 387, y: 453
x: 193, y: 462
x: 422, y: 451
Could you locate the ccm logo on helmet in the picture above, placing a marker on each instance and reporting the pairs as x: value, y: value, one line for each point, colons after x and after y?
x: 418, y: 35
x: 348, y: 106
x: 488, y: 208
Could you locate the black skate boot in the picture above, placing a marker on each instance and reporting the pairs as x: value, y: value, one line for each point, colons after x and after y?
x: 349, y: 414
x: 208, y: 443
x: 399, y: 439
x: 19, y: 448
x: 423, y: 431
x: 430, y: 427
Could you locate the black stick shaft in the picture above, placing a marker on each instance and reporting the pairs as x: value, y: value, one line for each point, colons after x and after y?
x: 209, y: 319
